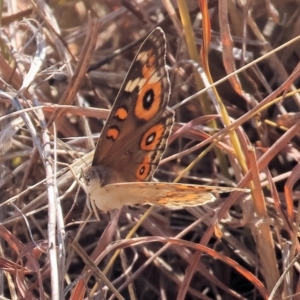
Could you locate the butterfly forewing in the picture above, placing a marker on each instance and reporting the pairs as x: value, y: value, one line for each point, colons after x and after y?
x: 135, y: 134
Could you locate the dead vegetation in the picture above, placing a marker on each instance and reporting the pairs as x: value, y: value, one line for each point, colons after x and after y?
x: 62, y: 63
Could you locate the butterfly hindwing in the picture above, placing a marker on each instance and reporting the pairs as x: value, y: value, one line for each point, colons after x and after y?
x: 157, y: 193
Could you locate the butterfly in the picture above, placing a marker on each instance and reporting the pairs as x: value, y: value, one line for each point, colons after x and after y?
x: 134, y: 139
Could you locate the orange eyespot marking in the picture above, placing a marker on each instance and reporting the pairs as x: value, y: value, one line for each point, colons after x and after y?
x: 113, y: 133
x: 121, y: 113
x: 152, y: 137
x: 149, y: 101
x: 143, y: 169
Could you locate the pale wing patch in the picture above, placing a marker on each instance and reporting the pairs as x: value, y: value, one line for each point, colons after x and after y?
x: 142, y: 56
x: 132, y: 84
x: 154, y: 78
x: 140, y: 82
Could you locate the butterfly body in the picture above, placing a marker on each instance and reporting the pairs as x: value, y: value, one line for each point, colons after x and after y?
x: 134, y: 139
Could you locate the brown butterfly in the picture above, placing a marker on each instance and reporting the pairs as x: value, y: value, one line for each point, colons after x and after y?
x: 134, y: 139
